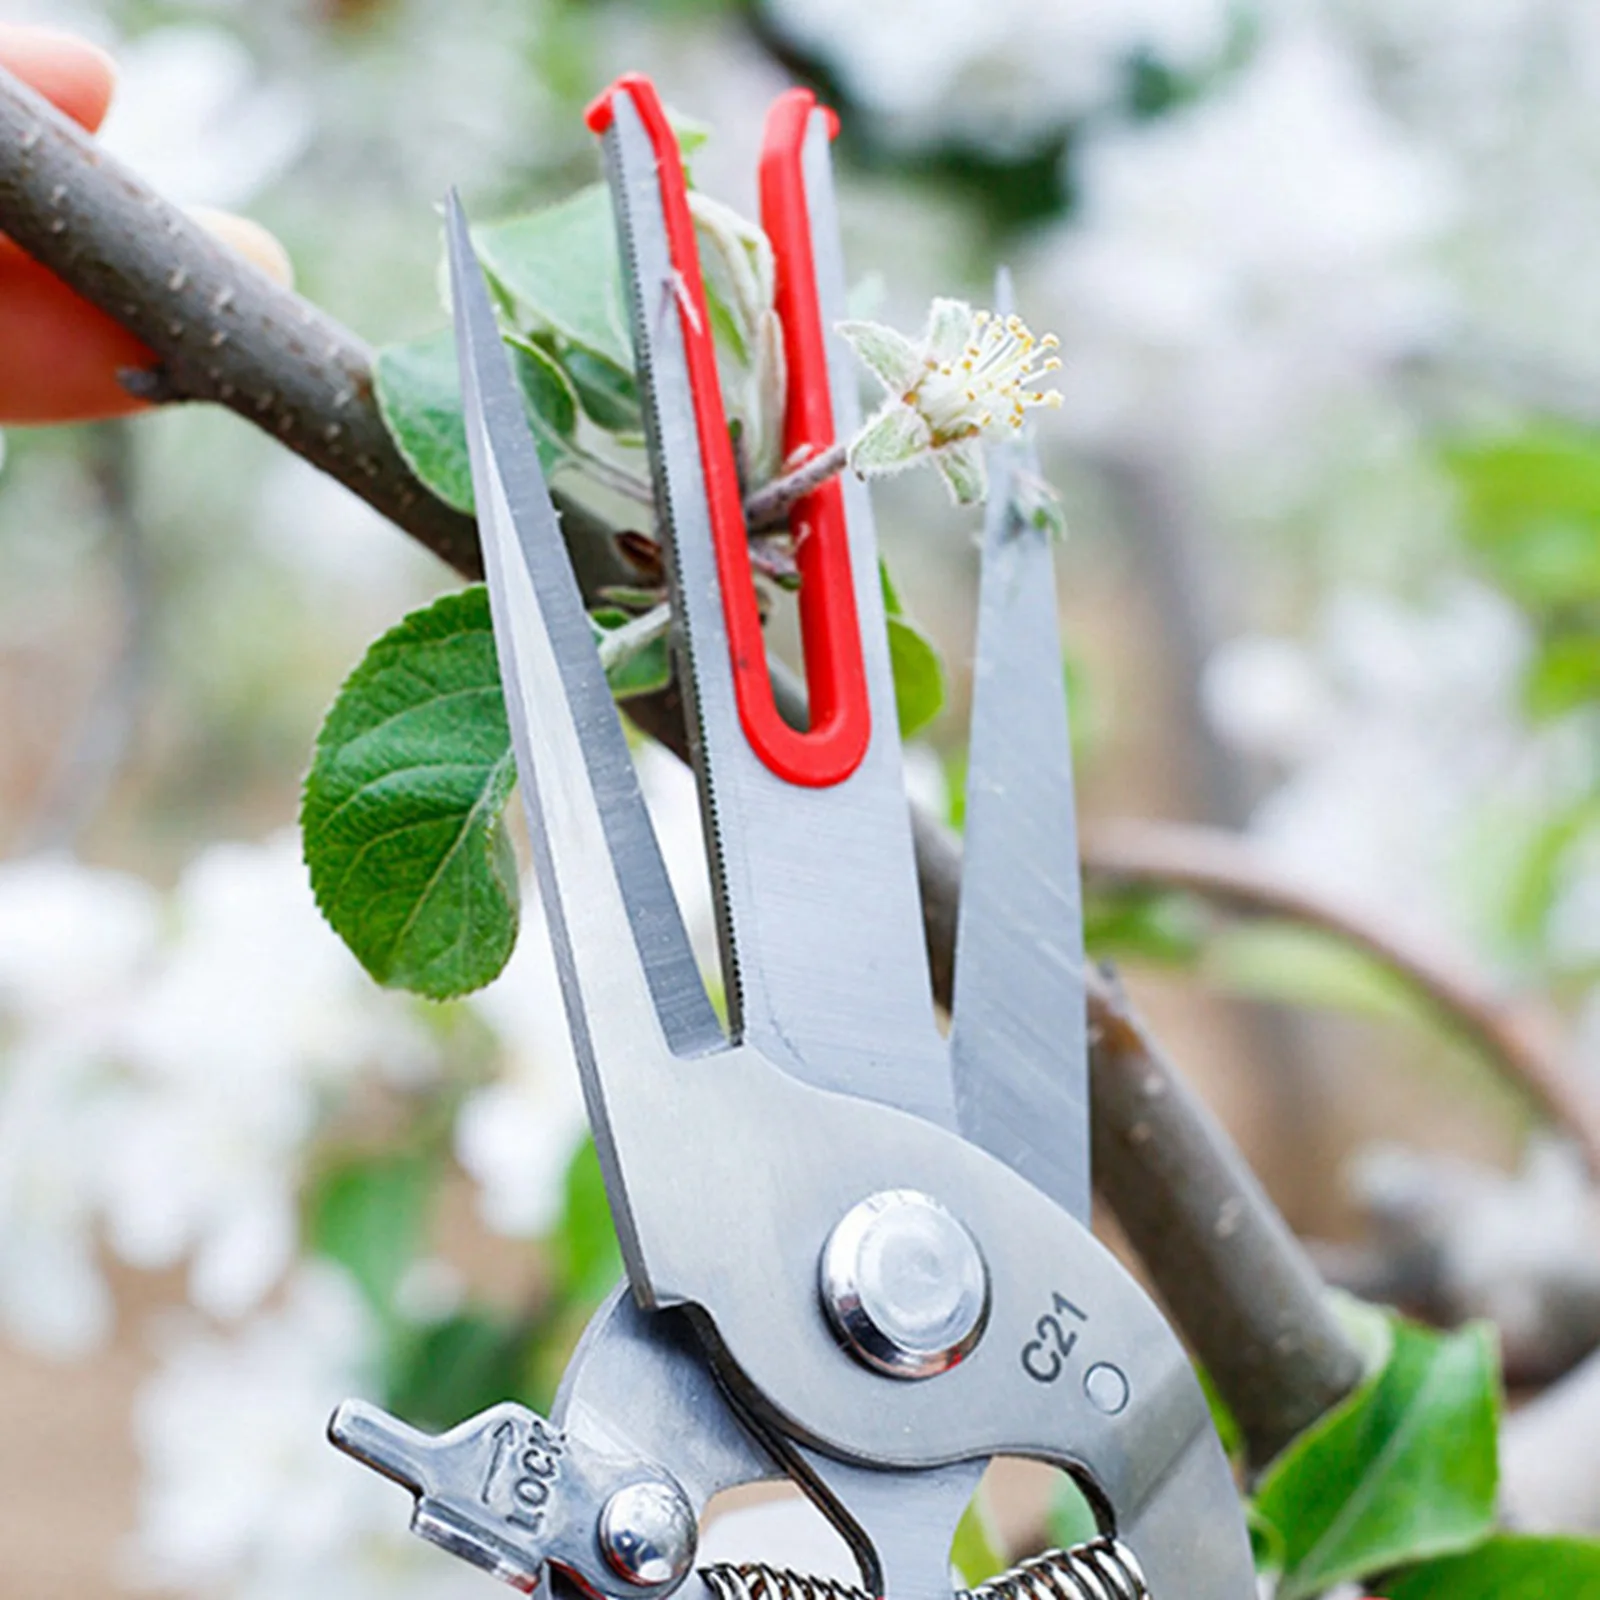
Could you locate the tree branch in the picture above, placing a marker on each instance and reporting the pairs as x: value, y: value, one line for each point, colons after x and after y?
x: 220, y: 329
x: 767, y: 507
x: 1522, y: 1036
x: 1237, y: 1281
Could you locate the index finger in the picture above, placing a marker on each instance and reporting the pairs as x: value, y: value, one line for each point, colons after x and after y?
x: 73, y: 75
x: 59, y: 356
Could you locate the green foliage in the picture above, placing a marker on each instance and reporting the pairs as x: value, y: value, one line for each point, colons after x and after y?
x: 585, y: 1256
x: 419, y: 397
x: 401, y: 815
x: 561, y: 267
x: 608, y: 395
x: 1531, y: 506
x: 1071, y: 1518
x: 1285, y: 962
x: 975, y: 1550
x: 1222, y: 1418
x: 1531, y: 510
x: 918, y: 668
x: 641, y: 671
x: 368, y: 1213
x: 1402, y: 1471
x: 549, y: 399
x: 1506, y: 1567
x: 447, y: 1370
x: 1565, y: 674
x: 1144, y: 925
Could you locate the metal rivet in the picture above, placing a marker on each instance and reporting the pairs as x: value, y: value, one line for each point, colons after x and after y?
x: 647, y: 1531
x: 905, y: 1284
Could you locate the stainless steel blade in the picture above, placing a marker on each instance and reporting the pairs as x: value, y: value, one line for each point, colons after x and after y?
x: 633, y: 995
x: 539, y: 619
x: 820, y: 921
x: 1019, y: 1046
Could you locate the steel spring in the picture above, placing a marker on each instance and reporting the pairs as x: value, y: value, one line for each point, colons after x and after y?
x: 1100, y: 1570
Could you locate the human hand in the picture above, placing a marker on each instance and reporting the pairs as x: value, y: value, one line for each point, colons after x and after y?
x: 59, y: 356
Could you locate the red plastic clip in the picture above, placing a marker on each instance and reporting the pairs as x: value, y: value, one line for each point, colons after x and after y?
x: 836, y: 681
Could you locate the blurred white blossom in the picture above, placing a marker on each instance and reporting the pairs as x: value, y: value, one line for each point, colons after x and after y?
x: 72, y: 942
x: 163, y: 1070
x: 344, y: 550
x: 516, y: 1135
x: 1574, y: 926
x: 1508, y: 88
x: 194, y: 117
x: 1404, y: 748
x: 256, y: 1019
x: 1000, y: 75
x: 1234, y: 263
x: 242, y: 1497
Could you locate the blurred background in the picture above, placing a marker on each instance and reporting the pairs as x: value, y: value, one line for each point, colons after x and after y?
x: 1327, y: 281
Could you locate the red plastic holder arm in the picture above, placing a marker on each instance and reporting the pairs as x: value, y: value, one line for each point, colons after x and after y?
x: 836, y: 681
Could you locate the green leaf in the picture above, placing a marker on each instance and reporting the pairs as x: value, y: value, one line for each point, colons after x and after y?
x: 919, y: 686
x: 401, y: 815
x: 561, y: 265
x: 1545, y: 865
x: 1146, y: 925
x: 1223, y: 1420
x: 918, y: 668
x: 1404, y: 1469
x: 368, y: 1214
x: 607, y: 393
x: 1565, y: 675
x: 1266, y: 1543
x: 585, y: 1255
x: 449, y: 1370
x: 1071, y: 1519
x: 644, y: 670
x: 1531, y: 504
x: 419, y: 399
x: 975, y: 1550
x: 1506, y: 1567
x: 548, y: 397
x: 1302, y: 966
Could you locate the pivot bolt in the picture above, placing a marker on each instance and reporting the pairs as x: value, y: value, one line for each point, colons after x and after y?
x: 904, y: 1284
x: 647, y: 1531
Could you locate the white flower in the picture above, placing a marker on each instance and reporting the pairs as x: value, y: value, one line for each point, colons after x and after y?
x: 253, y: 1025
x: 69, y: 936
x: 192, y: 116
x: 1265, y: 697
x: 73, y: 940
x: 1414, y: 776
x: 1235, y: 265
x: 242, y: 1497
x: 1002, y: 75
x: 967, y: 379
x: 53, y: 1299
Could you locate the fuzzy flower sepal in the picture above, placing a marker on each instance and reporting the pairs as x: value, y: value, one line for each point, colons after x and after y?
x: 964, y: 381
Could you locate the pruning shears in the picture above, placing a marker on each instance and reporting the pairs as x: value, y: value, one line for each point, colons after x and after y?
x: 857, y: 1250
